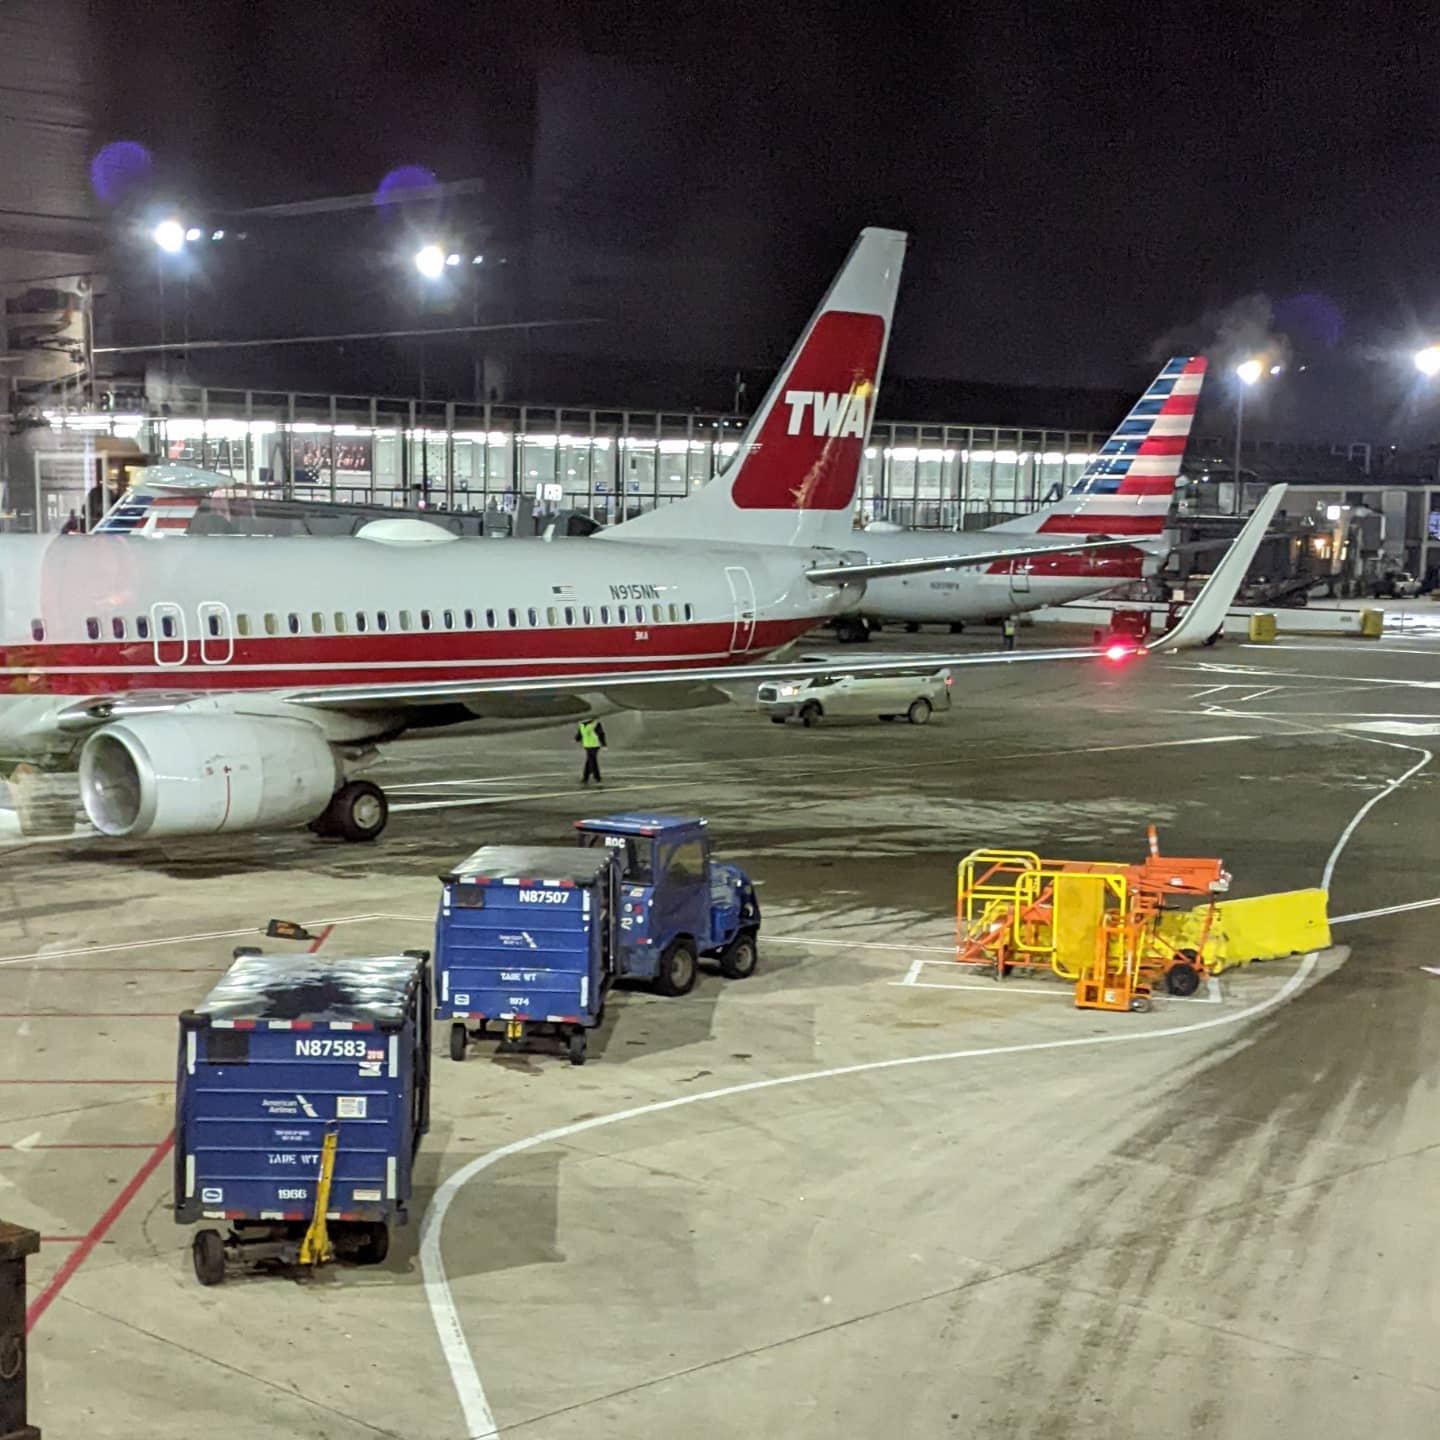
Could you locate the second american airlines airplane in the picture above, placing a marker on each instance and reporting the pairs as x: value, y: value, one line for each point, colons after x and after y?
x: 221, y: 684
x: 1125, y: 491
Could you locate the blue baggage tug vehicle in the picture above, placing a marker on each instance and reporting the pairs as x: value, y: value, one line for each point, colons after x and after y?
x: 677, y: 904
x: 531, y: 938
x: 526, y: 936
x: 303, y: 1092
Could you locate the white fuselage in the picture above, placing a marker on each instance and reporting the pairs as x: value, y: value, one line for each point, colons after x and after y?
x: 95, y: 616
x: 988, y: 592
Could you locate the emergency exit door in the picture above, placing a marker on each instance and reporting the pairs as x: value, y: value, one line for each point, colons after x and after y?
x: 742, y: 598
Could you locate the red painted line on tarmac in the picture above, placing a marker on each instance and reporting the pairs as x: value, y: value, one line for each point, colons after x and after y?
x: 116, y: 1208
x: 97, y: 1232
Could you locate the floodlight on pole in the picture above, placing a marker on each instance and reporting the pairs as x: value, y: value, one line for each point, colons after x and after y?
x: 430, y: 262
x: 1427, y: 361
x: 1249, y: 371
x: 169, y: 235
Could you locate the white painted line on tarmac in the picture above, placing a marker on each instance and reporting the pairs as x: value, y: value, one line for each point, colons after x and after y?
x: 1386, y: 910
x: 1009, y: 987
x: 469, y: 1388
x: 480, y: 1423
x: 249, y: 930
x: 858, y: 945
x: 1004, y: 987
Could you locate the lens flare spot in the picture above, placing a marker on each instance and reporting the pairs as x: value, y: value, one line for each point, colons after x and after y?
x: 118, y: 169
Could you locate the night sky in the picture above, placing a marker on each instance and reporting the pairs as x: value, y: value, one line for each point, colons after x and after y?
x: 1087, y: 184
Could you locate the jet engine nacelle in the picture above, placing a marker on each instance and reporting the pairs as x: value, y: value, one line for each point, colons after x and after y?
x: 188, y: 774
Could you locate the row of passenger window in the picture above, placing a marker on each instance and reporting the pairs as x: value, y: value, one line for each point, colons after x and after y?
x: 341, y: 622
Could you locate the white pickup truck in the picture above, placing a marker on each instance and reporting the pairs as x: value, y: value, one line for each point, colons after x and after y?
x: 834, y: 693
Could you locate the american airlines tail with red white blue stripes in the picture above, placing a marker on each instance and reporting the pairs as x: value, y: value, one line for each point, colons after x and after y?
x: 1128, y: 487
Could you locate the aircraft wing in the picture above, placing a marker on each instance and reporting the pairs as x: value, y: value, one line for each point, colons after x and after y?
x: 1206, y: 613
x: 357, y: 697
x: 100, y: 709
x: 880, y: 569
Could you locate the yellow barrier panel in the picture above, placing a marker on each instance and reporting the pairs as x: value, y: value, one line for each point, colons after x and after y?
x: 1372, y: 624
x: 1262, y: 628
x: 1262, y: 927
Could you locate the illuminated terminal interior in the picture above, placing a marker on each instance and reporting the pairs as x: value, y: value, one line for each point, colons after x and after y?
x: 462, y: 457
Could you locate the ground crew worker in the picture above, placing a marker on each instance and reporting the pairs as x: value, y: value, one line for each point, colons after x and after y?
x: 1008, y: 628
x: 590, y: 736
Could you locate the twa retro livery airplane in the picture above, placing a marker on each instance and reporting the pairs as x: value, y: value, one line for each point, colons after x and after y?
x: 1124, y: 492
x: 223, y: 683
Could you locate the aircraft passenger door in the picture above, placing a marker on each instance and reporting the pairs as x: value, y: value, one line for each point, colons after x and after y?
x: 217, y: 634
x: 742, y: 598
x: 167, y: 633
x: 1020, y: 577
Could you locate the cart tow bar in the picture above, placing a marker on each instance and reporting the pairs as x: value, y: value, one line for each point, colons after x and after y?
x: 316, y: 1248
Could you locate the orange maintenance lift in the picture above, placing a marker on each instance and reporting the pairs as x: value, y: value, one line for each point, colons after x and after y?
x: 1095, y: 923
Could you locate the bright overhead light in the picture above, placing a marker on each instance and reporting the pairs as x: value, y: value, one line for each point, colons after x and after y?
x: 217, y: 234
x: 478, y: 260
x: 430, y: 262
x: 1276, y: 369
x: 1249, y: 371
x: 194, y: 233
x: 169, y: 235
x: 452, y: 259
x: 1427, y: 361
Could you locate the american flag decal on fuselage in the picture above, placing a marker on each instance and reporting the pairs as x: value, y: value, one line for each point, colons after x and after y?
x: 139, y: 513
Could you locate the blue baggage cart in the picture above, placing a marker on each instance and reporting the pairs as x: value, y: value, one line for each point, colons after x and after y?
x: 525, y: 937
x: 302, y: 1078
x: 677, y: 902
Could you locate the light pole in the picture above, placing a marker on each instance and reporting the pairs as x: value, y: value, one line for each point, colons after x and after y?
x: 1247, y: 372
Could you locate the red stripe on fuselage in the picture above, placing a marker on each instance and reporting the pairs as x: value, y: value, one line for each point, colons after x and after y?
x: 1111, y: 567
x: 414, y: 657
x: 1099, y: 523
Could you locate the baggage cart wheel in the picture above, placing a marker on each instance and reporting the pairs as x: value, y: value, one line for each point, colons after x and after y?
x: 459, y: 1039
x: 207, y: 1252
x: 739, y: 958
x: 810, y: 712
x: 1140, y: 1004
x: 678, y: 969
x: 577, y: 1047
x: 1182, y: 978
x: 375, y: 1246
x: 919, y: 712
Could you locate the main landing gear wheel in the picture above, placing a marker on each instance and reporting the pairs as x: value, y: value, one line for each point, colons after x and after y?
x: 207, y: 1251
x: 919, y: 712
x: 739, y: 959
x: 459, y: 1039
x: 357, y: 812
x: 678, y: 969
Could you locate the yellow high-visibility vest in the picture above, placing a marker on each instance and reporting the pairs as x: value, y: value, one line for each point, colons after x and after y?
x: 589, y: 738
